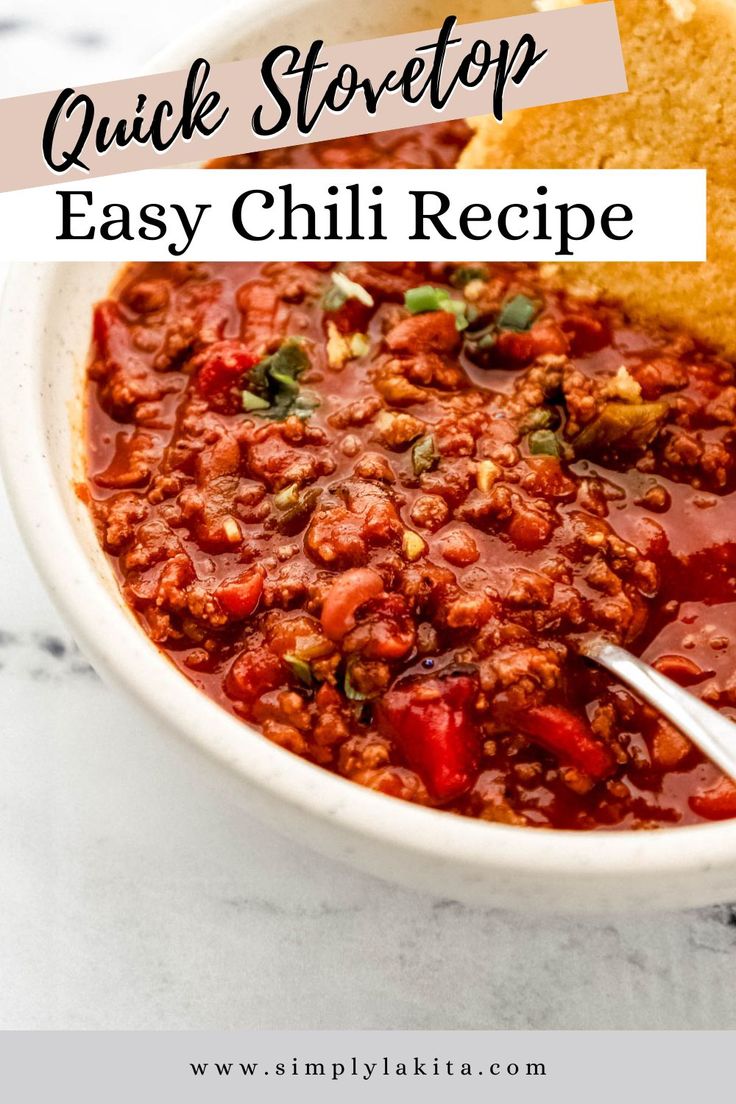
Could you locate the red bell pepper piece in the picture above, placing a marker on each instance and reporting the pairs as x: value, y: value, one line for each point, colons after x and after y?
x: 240, y: 597
x: 429, y: 720
x: 569, y: 737
x: 718, y: 803
x: 220, y: 375
x: 104, y: 318
x: 111, y: 335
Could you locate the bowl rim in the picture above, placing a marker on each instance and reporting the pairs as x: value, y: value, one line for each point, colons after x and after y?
x: 118, y: 646
x: 120, y: 649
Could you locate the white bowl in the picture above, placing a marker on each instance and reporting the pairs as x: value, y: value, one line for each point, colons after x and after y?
x: 44, y: 336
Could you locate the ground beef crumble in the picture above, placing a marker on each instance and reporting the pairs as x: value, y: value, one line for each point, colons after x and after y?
x: 407, y: 560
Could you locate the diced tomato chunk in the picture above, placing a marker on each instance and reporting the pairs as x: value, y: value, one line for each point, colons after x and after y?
x: 240, y: 597
x: 111, y: 334
x: 434, y: 332
x: 547, y: 478
x: 104, y: 317
x: 254, y: 672
x: 327, y: 697
x: 352, y: 317
x: 222, y: 368
x: 521, y: 347
x: 567, y: 736
x: 718, y: 803
x: 514, y: 346
x: 529, y: 529
x: 429, y: 719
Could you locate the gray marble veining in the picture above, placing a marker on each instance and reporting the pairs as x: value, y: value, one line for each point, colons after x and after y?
x: 135, y: 896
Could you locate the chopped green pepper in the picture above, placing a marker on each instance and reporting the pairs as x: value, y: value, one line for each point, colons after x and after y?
x: 284, y: 377
x: 454, y: 306
x: 350, y: 690
x: 487, y: 340
x: 630, y: 425
x: 517, y: 314
x: 543, y: 442
x: 286, y: 497
x: 424, y: 299
x: 295, y: 513
x: 465, y: 274
x: 540, y: 418
x: 300, y: 669
x: 304, y: 403
x: 333, y: 299
x: 253, y: 402
x: 273, y: 384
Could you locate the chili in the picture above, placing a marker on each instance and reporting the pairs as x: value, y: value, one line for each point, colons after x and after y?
x: 370, y: 509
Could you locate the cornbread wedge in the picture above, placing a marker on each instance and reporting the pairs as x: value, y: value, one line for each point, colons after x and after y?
x: 680, y: 112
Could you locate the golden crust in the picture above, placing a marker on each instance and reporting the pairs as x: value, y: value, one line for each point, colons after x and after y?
x: 680, y: 112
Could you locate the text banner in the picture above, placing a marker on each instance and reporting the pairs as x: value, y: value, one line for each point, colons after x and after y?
x: 470, y: 214
x: 293, y: 96
x: 522, y: 1067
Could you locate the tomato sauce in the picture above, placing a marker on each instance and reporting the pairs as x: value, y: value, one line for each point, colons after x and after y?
x: 372, y: 509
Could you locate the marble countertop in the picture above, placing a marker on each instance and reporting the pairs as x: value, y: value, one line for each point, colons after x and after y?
x: 135, y: 897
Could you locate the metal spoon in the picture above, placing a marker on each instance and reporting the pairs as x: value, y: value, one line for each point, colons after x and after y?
x: 713, y: 733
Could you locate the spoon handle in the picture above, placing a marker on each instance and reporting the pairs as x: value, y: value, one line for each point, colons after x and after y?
x: 713, y: 733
